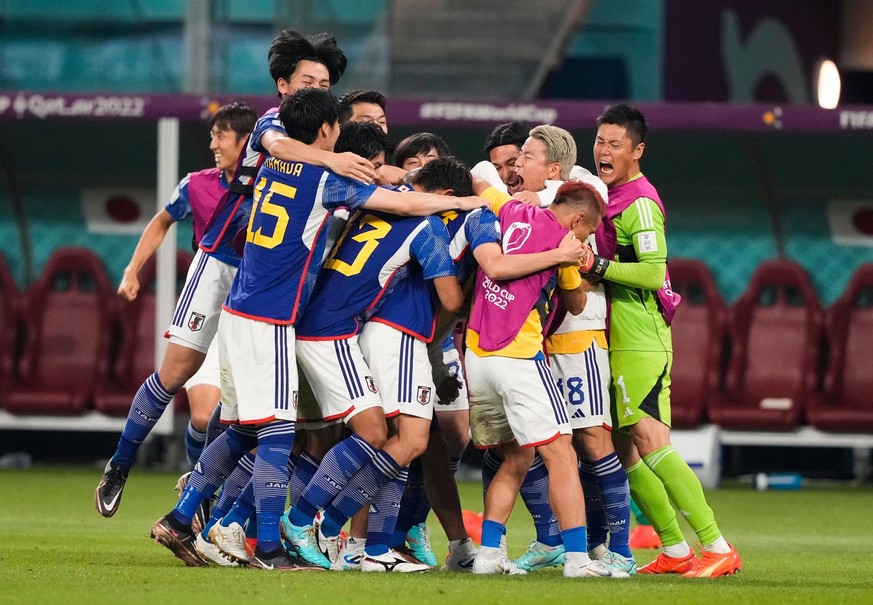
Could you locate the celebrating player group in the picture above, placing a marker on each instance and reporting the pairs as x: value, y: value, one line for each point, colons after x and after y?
x: 426, y: 304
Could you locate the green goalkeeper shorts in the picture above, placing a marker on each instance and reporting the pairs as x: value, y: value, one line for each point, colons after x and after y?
x: 640, y: 386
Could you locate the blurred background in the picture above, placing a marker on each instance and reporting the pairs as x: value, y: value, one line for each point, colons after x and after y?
x: 760, y: 118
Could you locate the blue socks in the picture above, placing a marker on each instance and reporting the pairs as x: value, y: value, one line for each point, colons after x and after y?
x: 595, y: 514
x: 383, y: 515
x: 270, y: 480
x: 492, y: 532
x: 231, y: 490
x: 535, y: 494
x: 146, y: 409
x: 575, y: 539
x: 304, y: 471
x: 615, y: 493
x: 194, y: 442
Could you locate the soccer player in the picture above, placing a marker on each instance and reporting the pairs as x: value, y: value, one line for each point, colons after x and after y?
x: 285, y: 240
x: 632, y: 262
x: 503, y: 147
x: 196, y: 195
x: 418, y: 149
x: 295, y: 62
x: 514, y: 402
x: 364, y: 106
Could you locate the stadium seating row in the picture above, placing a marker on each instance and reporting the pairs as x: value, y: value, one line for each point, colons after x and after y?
x: 69, y: 344
x: 774, y: 360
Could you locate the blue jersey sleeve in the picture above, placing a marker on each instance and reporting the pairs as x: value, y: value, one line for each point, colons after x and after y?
x: 341, y: 191
x: 267, y: 122
x: 482, y: 227
x: 179, y: 206
x: 430, y: 247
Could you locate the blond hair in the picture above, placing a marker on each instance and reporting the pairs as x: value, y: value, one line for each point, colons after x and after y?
x: 560, y: 147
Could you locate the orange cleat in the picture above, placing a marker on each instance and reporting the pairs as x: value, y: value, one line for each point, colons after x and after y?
x: 644, y: 536
x: 714, y: 565
x: 250, y: 545
x: 667, y: 564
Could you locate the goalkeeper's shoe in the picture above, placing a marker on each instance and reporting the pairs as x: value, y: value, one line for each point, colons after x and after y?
x: 644, y: 536
x: 392, y: 562
x: 418, y: 538
x: 714, y: 565
x: 666, y: 564
x: 231, y: 541
x: 210, y: 552
x: 539, y: 556
x: 303, y: 541
x: 179, y: 541
x: 107, y: 496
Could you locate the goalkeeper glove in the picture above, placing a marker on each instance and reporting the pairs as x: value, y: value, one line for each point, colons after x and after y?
x: 593, y: 267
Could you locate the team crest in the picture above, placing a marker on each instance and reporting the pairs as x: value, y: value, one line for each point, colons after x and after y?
x: 423, y: 395
x: 195, y: 322
x: 371, y: 384
x: 295, y: 399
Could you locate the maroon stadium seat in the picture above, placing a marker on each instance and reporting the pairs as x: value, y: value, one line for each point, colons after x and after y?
x: 698, y: 336
x: 68, y: 314
x: 847, y: 402
x: 136, y: 356
x: 9, y: 317
x: 775, y: 332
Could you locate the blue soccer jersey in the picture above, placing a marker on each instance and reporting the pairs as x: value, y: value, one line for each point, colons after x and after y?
x: 374, y: 256
x: 468, y: 231
x: 231, y: 216
x: 285, y: 239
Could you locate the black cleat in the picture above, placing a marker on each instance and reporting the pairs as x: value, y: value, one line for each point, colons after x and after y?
x: 107, y: 497
x: 181, y: 542
x: 280, y: 560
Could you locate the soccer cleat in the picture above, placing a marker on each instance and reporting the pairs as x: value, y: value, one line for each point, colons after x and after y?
x: 418, y: 538
x: 203, y: 512
x: 230, y: 541
x: 350, y: 555
x: 304, y: 541
x: 251, y: 543
x: 714, y: 565
x: 280, y: 561
x: 614, y: 561
x: 462, y: 557
x: 210, y: 552
x: 644, y: 536
x: 591, y: 569
x: 328, y: 545
x: 499, y: 565
x: 392, y: 562
x: 180, y: 543
x: 539, y: 556
x: 406, y: 552
x: 107, y: 496
x: 666, y: 564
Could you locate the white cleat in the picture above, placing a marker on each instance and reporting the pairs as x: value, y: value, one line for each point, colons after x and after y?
x: 591, y: 569
x: 483, y: 565
x: 461, y: 557
x: 350, y: 555
x: 328, y: 545
x: 210, y: 552
x: 230, y: 541
x: 391, y: 562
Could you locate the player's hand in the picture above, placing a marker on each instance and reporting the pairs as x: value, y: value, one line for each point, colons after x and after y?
x: 572, y: 250
x: 471, y: 202
x: 129, y: 286
x: 527, y: 197
x: 353, y: 166
x: 389, y: 175
x: 448, y: 390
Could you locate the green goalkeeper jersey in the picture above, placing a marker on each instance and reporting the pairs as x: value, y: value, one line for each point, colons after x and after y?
x: 638, y: 270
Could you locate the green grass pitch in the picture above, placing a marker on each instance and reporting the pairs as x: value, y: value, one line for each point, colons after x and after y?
x: 806, y: 546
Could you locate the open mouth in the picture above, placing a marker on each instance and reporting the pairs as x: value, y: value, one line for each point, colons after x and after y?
x: 515, y: 184
x: 605, y: 169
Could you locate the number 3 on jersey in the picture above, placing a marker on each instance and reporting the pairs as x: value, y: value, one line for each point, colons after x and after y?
x: 262, y: 206
x: 370, y: 237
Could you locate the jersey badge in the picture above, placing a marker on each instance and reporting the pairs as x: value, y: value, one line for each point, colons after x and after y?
x: 195, y: 322
x: 371, y: 384
x: 516, y: 236
x: 647, y: 242
x: 423, y: 395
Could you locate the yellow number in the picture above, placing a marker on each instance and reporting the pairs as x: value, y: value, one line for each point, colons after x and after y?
x: 263, y: 205
x: 370, y: 238
x: 448, y: 216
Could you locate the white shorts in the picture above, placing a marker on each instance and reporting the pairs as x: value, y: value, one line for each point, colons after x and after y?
x: 209, y: 372
x: 258, y: 370
x: 401, y: 368
x: 583, y: 379
x: 452, y: 359
x: 339, y: 377
x: 514, y: 399
x: 195, y: 320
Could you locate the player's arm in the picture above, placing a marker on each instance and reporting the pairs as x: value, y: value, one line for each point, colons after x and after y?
x: 645, y: 229
x: 574, y: 293
x: 494, y: 198
x: 430, y: 248
x: 387, y: 174
x: 151, y: 238
x: 281, y: 146
x: 449, y: 292
x: 499, y: 266
x: 413, y: 203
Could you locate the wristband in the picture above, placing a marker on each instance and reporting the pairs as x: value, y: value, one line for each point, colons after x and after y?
x: 598, y: 269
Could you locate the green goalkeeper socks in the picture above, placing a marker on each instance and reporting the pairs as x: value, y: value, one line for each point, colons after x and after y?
x: 649, y: 493
x: 685, y: 491
x: 639, y: 516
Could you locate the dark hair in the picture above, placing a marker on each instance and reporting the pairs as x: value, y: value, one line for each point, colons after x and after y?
x: 307, y: 110
x: 290, y: 47
x: 444, y: 173
x: 363, y: 138
x: 511, y: 133
x: 582, y: 195
x: 633, y: 121
x: 353, y: 97
x: 238, y: 117
x: 421, y: 142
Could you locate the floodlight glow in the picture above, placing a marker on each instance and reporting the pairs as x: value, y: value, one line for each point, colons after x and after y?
x: 827, y: 84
